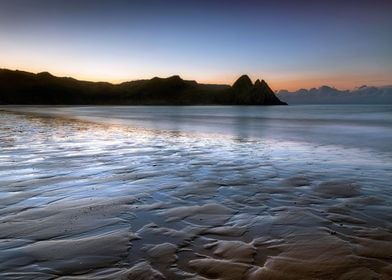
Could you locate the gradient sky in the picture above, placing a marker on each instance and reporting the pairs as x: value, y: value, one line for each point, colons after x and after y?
x: 291, y: 44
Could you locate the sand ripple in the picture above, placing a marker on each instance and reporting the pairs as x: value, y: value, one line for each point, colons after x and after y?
x: 82, y: 200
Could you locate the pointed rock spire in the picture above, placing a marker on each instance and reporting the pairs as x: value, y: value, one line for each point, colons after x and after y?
x: 243, y: 83
x: 257, y: 83
x: 259, y: 93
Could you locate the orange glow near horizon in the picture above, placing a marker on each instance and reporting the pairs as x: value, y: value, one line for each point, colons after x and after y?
x: 277, y: 81
x: 112, y: 69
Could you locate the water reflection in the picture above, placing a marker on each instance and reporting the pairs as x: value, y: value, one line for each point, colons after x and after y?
x: 352, y: 126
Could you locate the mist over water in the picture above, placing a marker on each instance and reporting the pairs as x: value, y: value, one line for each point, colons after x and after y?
x: 291, y: 192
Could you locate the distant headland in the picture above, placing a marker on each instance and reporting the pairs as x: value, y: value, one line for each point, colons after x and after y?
x: 19, y: 87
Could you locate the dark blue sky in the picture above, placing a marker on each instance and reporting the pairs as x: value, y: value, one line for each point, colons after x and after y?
x: 291, y: 44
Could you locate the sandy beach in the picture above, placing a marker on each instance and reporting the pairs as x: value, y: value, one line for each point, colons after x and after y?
x: 84, y: 198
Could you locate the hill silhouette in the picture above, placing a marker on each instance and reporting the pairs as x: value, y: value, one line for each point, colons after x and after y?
x: 329, y: 95
x: 19, y: 87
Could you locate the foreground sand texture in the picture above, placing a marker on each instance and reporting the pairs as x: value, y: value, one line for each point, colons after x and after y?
x: 83, y: 200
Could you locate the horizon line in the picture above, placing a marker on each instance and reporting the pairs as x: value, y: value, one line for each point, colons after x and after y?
x: 125, y: 80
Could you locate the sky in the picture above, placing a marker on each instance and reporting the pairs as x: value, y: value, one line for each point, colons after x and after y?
x: 291, y: 44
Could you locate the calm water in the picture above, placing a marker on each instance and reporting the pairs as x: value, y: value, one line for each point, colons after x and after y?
x: 291, y: 192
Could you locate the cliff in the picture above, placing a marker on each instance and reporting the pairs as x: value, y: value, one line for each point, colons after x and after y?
x: 18, y: 87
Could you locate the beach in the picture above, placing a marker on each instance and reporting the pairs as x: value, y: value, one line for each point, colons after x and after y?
x: 122, y: 192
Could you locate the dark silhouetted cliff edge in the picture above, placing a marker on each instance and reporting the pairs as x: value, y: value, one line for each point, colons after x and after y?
x: 19, y: 87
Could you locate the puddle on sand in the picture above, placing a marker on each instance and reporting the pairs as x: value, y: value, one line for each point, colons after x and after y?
x: 83, y: 200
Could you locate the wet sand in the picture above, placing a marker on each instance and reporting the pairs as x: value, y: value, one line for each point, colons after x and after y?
x: 89, y: 200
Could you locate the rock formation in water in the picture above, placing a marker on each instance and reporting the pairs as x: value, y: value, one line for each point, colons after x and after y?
x: 18, y: 87
x: 259, y: 93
